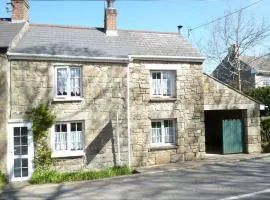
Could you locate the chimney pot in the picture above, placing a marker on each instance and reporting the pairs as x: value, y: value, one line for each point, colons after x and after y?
x: 179, y: 29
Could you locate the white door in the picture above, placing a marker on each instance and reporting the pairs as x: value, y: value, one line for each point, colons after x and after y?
x: 20, y: 151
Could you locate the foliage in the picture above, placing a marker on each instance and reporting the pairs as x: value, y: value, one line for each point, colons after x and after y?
x: 3, y: 179
x: 266, y: 147
x: 42, y: 159
x: 265, y: 130
x: 261, y: 94
x: 49, y: 176
x: 42, y: 120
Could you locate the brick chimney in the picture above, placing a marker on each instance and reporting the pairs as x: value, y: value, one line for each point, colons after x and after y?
x: 20, y: 10
x: 110, y: 19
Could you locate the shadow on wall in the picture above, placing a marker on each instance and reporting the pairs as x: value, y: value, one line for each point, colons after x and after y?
x: 97, y: 145
x: 3, y: 116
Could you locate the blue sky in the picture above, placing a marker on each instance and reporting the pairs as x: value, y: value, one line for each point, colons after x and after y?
x: 159, y: 15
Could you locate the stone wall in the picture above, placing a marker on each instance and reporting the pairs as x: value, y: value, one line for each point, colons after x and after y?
x: 4, y: 74
x: 218, y: 96
x: 186, y: 109
x: 104, y: 94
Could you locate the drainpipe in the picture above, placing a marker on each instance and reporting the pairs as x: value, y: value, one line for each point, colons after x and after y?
x: 128, y: 115
x: 118, y: 139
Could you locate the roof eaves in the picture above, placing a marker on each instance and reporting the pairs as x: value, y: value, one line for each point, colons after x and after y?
x: 168, y: 58
x: 65, y: 58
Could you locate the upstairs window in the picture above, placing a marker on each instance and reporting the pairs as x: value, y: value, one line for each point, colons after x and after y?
x: 68, y: 82
x: 163, y: 83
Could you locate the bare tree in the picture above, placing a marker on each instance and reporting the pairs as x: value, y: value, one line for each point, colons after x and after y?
x: 230, y: 38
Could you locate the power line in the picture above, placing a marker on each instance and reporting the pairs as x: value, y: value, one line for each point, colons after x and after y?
x: 219, y: 18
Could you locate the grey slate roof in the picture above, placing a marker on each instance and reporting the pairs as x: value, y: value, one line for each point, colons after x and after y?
x: 93, y: 42
x: 8, y: 31
x: 260, y: 64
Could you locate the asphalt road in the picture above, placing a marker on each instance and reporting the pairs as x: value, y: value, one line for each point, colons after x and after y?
x: 239, y: 180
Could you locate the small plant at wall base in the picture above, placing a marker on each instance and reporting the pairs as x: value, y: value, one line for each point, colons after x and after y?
x: 265, y: 134
x: 3, y: 179
x: 42, y: 119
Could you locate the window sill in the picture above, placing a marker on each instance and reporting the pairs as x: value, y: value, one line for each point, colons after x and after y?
x: 69, y: 99
x: 62, y: 154
x: 163, y: 147
x: 161, y: 99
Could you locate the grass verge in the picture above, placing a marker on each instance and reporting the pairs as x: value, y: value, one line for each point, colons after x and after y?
x: 49, y: 176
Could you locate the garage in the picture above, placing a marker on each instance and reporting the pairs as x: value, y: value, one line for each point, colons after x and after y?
x: 224, y: 131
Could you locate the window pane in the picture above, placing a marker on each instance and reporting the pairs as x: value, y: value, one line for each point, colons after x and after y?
x: 73, y: 126
x: 24, y: 150
x: 79, y: 126
x: 23, y: 131
x: 17, y: 163
x: 63, y: 128
x: 156, y: 132
x: 62, y: 81
x: 75, y: 81
x: 24, y: 172
x: 24, y: 162
x: 17, y: 150
x: 24, y: 140
x: 16, y: 131
x: 156, y: 88
x: 61, y: 141
x: 17, y: 141
x: 17, y: 172
x: 57, y: 128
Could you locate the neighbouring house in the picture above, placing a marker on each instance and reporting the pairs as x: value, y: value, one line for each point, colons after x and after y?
x: 255, y: 71
x: 120, y: 97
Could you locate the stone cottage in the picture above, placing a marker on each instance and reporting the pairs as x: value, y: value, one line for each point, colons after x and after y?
x: 120, y: 97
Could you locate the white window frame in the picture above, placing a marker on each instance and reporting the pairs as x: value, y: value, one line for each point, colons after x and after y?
x: 68, y: 152
x: 266, y: 81
x: 68, y: 96
x: 162, y: 143
x: 173, y: 83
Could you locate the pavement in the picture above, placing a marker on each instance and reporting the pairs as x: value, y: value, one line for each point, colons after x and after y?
x: 226, y: 177
x: 209, y: 159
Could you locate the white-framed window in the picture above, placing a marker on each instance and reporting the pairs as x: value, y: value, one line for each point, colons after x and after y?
x: 266, y: 81
x: 162, y: 83
x: 68, y: 136
x: 68, y: 82
x: 163, y: 132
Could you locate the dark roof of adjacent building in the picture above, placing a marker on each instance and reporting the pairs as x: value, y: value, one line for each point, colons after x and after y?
x: 259, y: 64
x: 93, y: 42
x: 8, y: 31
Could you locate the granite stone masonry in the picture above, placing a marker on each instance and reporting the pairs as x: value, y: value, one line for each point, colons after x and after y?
x: 104, y: 97
x: 186, y: 109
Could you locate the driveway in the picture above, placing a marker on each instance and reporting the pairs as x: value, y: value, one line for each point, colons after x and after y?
x: 238, y: 180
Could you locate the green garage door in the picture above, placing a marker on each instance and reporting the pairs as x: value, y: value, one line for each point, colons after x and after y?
x: 233, y: 139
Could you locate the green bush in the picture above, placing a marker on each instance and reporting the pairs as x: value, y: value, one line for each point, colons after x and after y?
x: 48, y: 176
x: 43, y: 159
x: 265, y: 130
x: 3, y: 179
x: 42, y: 119
x: 261, y: 94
